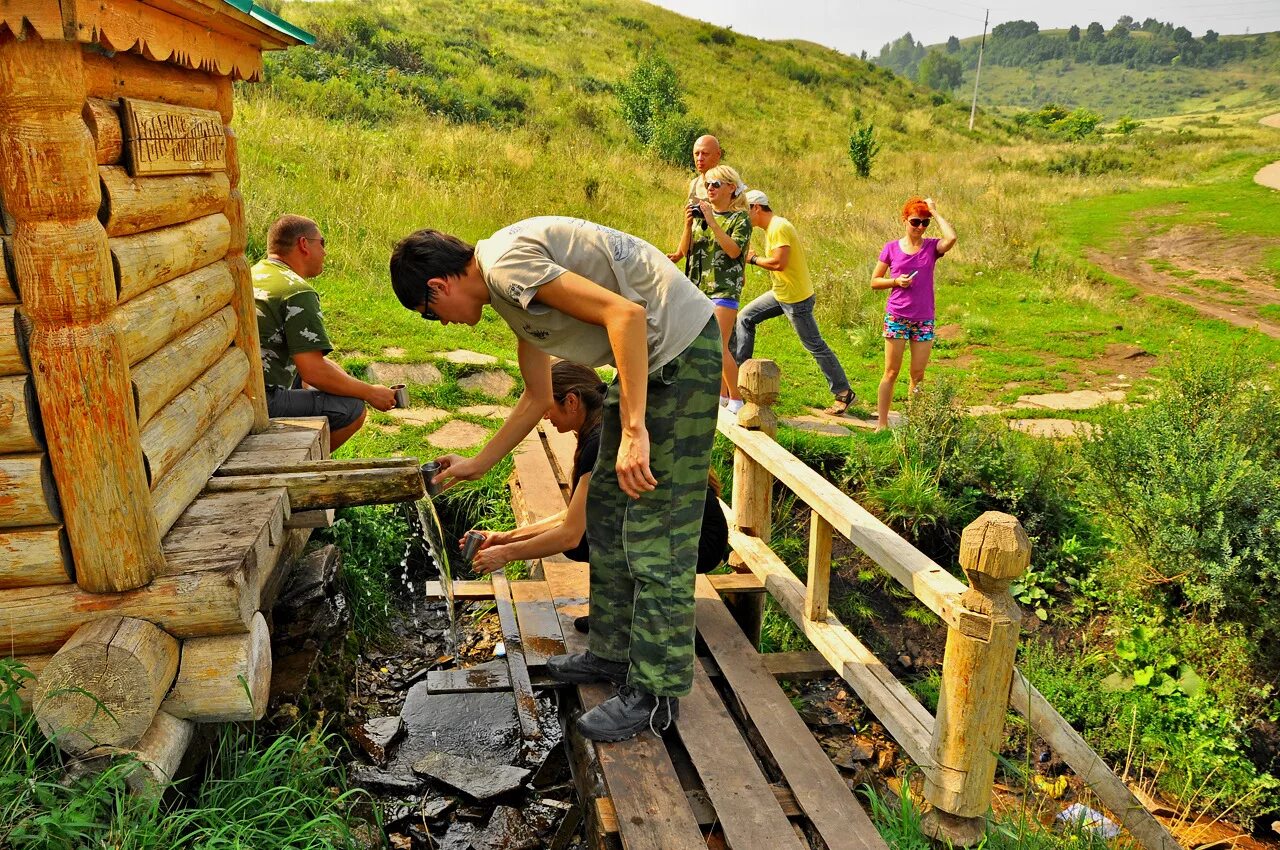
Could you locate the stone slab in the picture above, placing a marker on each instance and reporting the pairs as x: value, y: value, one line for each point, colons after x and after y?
x: 817, y: 425
x: 378, y: 736
x: 476, y: 725
x: 470, y: 358
x: 458, y: 435
x: 1056, y: 429
x: 393, y: 351
x: 984, y: 410
x: 418, y: 415
x: 487, y: 411
x: 422, y: 374
x: 1075, y: 400
x: 491, y: 383
x: 478, y: 780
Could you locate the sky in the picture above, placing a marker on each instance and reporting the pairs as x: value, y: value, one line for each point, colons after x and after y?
x: 852, y: 26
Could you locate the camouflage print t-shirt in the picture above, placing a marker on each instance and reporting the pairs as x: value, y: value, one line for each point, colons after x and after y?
x: 716, y: 273
x: 289, y: 320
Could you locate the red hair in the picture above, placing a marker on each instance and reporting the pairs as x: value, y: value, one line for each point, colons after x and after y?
x: 915, y: 207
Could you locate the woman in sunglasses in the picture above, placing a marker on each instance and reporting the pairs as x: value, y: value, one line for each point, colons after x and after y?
x: 717, y: 232
x: 906, y: 267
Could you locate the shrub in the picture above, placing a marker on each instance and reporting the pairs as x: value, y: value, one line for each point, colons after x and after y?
x: 1090, y: 162
x: 654, y: 109
x: 805, y: 75
x: 1188, y: 486
x: 863, y: 149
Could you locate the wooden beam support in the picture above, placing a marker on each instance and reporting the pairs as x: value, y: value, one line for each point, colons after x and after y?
x: 13, y: 357
x: 321, y: 484
x: 188, y: 476
x: 522, y: 688
x: 173, y: 368
x: 818, y: 582
x: 20, y: 429
x: 32, y: 557
x: 8, y: 287
x: 168, y: 436
x: 223, y: 679
x: 161, y: 314
x: 103, y: 120
x: 105, y: 684
x: 76, y: 351
x: 27, y: 493
x: 132, y: 205
x: 155, y: 757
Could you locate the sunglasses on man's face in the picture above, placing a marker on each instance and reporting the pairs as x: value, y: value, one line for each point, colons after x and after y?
x: 429, y: 314
x: 919, y: 222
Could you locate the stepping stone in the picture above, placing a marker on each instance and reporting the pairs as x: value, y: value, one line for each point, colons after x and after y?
x: 458, y: 435
x: 817, y: 425
x: 418, y: 415
x: 492, y: 384
x: 478, y: 780
x: 487, y: 411
x: 470, y: 358
x: 983, y: 410
x: 895, y: 421
x: 378, y: 736
x: 1055, y: 429
x: 393, y: 352
x: 1077, y: 400
x: 422, y: 374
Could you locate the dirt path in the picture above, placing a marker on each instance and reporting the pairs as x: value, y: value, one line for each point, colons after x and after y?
x: 1269, y: 175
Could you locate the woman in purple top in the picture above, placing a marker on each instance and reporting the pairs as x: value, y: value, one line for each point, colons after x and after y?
x: 906, y: 267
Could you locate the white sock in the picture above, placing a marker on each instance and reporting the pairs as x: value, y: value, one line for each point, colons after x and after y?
x: 735, y: 404
x: 724, y: 401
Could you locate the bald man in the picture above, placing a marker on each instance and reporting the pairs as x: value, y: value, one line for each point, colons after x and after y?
x: 706, y: 156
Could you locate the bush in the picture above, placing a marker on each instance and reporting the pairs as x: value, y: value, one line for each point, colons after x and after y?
x: 1074, y: 125
x: 653, y: 107
x: 863, y: 149
x: 1188, y: 486
x: 1090, y: 162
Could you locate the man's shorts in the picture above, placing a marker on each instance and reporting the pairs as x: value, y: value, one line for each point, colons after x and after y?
x: 340, y: 410
x: 731, y: 303
x: 915, y: 330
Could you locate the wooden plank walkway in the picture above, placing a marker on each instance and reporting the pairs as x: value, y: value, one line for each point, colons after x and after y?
x: 645, y: 802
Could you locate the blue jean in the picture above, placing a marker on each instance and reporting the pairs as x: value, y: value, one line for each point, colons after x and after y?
x: 800, y: 314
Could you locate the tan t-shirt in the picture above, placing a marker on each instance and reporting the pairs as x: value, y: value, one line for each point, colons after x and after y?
x: 793, y: 284
x: 698, y: 188
x: 518, y: 259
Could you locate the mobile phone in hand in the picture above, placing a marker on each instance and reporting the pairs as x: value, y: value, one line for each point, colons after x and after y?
x: 912, y: 276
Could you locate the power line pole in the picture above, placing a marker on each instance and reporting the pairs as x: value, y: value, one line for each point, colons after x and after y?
x: 973, y: 110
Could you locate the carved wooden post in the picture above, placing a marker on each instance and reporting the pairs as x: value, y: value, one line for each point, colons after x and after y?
x: 246, y: 313
x: 759, y: 382
x: 79, y: 368
x: 976, y: 675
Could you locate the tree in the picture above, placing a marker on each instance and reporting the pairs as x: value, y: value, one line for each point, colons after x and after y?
x: 1125, y: 21
x: 1119, y: 31
x: 863, y: 148
x: 1073, y: 34
x: 1095, y: 33
x: 1182, y: 35
x: 1015, y: 29
x: 940, y: 71
x: 953, y: 45
x: 1210, y: 37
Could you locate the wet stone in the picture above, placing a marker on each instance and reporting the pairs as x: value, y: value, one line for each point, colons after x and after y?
x: 476, y: 779
x: 507, y: 830
x: 457, y: 838
x: 383, y: 781
x: 477, y: 725
x: 377, y: 737
x: 432, y: 808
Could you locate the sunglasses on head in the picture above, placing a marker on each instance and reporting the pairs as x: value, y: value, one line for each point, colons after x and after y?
x: 919, y: 222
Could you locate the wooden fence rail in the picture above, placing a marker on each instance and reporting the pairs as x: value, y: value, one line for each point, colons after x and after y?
x: 957, y: 750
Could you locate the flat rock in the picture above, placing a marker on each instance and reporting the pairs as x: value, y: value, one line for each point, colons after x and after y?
x: 506, y: 830
x: 491, y: 383
x: 457, y: 838
x: 418, y: 415
x: 422, y: 374
x: 478, y: 780
x: 393, y: 351
x: 470, y: 358
x: 487, y: 411
x: 432, y: 808
x: 984, y: 410
x: 458, y: 435
x: 384, y: 781
x: 817, y: 425
x: 378, y: 736
x: 1076, y: 400
x: 895, y: 420
x: 1055, y: 429
x: 477, y: 725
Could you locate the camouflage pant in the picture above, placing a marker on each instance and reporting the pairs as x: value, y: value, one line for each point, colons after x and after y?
x: 644, y: 551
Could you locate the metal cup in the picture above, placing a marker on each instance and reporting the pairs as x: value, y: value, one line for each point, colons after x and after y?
x: 429, y: 471
x: 471, y: 544
x: 402, y: 395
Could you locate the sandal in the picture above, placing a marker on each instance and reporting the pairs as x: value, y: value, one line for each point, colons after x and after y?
x: 841, y: 404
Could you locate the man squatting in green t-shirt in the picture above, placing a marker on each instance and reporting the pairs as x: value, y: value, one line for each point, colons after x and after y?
x: 294, y: 341
x: 587, y: 293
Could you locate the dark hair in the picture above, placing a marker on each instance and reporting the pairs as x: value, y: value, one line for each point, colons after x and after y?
x: 568, y: 377
x: 285, y: 232
x: 765, y: 207
x: 421, y: 256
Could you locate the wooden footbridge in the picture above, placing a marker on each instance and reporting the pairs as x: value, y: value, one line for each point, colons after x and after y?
x: 740, y: 765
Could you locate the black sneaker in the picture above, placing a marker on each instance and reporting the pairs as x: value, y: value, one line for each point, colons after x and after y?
x: 628, y: 714
x: 585, y: 669
x: 583, y: 623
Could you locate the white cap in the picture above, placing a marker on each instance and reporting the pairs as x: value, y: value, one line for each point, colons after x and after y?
x: 758, y: 198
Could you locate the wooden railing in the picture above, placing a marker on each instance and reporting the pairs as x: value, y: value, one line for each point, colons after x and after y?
x: 957, y: 750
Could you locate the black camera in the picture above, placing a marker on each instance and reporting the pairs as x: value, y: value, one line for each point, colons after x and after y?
x: 697, y: 212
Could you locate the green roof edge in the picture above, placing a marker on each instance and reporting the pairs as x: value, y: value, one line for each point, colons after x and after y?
x: 272, y: 20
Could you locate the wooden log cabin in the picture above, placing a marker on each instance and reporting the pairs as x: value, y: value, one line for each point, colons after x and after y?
x: 130, y: 372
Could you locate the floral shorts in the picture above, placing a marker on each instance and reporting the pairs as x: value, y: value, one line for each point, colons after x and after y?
x: 915, y: 330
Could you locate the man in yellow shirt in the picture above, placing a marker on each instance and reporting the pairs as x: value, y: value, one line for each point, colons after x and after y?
x: 792, y: 296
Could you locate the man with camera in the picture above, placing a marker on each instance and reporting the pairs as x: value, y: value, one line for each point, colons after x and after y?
x: 294, y: 341
x: 706, y: 156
